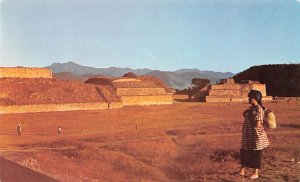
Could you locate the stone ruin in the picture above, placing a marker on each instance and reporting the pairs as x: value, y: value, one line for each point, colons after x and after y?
x: 26, y: 90
x: 136, y: 91
x: 39, y: 92
x: 229, y: 91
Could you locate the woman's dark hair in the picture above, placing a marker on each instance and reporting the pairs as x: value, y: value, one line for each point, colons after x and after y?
x: 255, y: 94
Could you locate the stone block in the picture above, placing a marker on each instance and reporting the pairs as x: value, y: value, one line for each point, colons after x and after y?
x: 267, y: 98
x: 140, y: 91
x: 225, y: 86
x: 147, y: 99
x: 259, y: 87
x: 23, y: 72
x: 225, y: 92
x: 53, y: 107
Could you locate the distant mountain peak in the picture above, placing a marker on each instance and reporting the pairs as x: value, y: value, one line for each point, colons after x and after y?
x: 66, y: 63
x: 71, y: 62
x: 178, y: 79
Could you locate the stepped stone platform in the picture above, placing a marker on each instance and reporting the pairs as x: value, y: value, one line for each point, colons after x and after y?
x: 142, y: 90
x: 34, y: 90
x: 229, y: 91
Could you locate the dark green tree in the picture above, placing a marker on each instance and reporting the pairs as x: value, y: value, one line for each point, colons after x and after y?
x: 197, y: 85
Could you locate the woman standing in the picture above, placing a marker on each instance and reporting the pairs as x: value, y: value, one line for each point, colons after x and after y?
x: 254, y: 137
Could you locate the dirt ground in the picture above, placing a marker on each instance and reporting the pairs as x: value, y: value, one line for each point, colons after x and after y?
x: 179, y: 142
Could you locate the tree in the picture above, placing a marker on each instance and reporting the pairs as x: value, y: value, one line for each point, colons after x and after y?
x: 197, y: 85
x: 130, y: 75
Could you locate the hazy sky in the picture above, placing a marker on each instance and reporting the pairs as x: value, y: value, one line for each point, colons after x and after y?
x: 217, y: 35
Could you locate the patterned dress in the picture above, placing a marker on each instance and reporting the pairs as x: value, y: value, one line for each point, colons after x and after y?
x: 254, y: 138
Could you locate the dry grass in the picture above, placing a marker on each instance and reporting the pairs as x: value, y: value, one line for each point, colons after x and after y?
x: 181, y: 142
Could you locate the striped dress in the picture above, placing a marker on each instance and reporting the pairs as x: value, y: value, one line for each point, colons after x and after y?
x: 254, y: 138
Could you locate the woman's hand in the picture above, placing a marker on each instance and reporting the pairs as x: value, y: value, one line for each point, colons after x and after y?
x: 259, y: 124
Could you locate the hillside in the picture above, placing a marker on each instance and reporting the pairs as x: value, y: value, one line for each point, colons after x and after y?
x: 48, y: 91
x: 73, y: 77
x: 209, y: 74
x: 69, y: 76
x: 280, y: 79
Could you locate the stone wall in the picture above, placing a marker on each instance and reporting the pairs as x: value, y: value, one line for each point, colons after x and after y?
x: 147, y: 100
x: 260, y: 87
x: 225, y: 86
x: 22, y: 72
x: 140, y: 91
x: 225, y: 92
x: 245, y: 89
x: 231, y: 92
x: 54, y: 107
x: 115, y: 105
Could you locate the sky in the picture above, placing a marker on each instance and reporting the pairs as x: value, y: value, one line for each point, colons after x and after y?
x: 216, y: 35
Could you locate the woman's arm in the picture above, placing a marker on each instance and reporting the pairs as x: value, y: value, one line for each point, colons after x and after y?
x: 259, y: 117
x: 245, y: 112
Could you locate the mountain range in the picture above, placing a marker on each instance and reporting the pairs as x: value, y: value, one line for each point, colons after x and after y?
x: 178, y: 79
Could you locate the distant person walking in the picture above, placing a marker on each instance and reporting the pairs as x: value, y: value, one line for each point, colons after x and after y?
x: 254, y: 137
x: 59, y: 130
x: 19, y: 129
